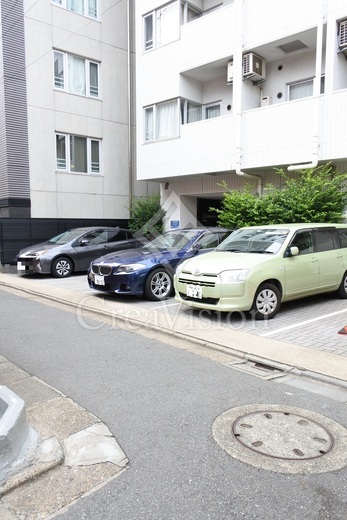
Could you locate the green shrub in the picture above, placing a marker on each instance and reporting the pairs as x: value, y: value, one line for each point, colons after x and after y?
x: 147, y: 216
x: 314, y: 195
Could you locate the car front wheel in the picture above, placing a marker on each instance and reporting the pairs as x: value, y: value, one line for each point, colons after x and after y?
x: 62, y: 267
x: 342, y: 290
x: 267, y: 302
x: 158, y: 285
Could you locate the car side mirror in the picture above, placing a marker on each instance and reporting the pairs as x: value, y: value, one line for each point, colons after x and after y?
x: 292, y: 251
x: 84, y: 242
x: 196, y: 247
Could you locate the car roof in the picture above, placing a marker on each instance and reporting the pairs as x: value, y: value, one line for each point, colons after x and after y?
x: 94, y: 228
x: 303, y: 225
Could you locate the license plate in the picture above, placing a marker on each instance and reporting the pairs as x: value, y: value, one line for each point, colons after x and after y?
x: 20, y: 266
x: 194, y: 291
x: 99, y: 280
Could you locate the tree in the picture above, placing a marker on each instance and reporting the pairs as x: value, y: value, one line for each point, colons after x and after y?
x: 147, y: 216
x: 314, y: 195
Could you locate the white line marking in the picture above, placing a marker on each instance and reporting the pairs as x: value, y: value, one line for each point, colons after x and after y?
x: 167, y: 305
x: 303, y: 323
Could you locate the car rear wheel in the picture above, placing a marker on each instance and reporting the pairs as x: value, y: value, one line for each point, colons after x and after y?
x: 342, y: 290
x: 62, y: 267
x: 267, y: 302
x: 158, y: 285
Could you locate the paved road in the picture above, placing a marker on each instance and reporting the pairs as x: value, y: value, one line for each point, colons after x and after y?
x: 313, y: 322
x: 160, y: 402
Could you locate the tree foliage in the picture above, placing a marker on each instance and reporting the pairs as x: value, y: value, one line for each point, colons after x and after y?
x: 147, y: 216
x: 313, y: 195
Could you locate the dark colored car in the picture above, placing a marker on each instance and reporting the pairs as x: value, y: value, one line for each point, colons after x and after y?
x: 149, y: 270
x: 73, y: 250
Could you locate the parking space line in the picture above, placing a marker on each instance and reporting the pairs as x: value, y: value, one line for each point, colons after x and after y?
x: 168, y: 305
x: 289, y: 327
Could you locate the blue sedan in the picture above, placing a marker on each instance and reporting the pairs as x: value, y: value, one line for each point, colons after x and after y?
x: 148, y: 270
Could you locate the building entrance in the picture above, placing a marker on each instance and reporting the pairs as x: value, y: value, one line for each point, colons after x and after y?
x: 205, y: 215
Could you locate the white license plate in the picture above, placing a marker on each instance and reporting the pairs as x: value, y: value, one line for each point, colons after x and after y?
x: 20, y: 266
x: 194, y: 291
x: 99, y: 280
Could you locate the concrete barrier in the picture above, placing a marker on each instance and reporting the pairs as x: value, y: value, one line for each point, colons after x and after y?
x: 17, y: 439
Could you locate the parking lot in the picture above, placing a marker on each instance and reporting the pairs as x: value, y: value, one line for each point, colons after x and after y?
x: 313, y: 322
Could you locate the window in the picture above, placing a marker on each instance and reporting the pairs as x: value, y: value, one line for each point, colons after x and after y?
x: 212, y: 111
x: 192, y: 112
x: 326, y: 239
x: 302, y: 89
x: 342, y: 233
x: 161, y: 26
x: 77, y: 154
x: 161, y: 121
x: 76, y: 75
x: 189, y: 13
x: 83, y: 7
x: 304, y: 242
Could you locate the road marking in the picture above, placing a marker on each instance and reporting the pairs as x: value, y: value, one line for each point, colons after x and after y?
x: 167, y: 305
x: 289, y: 327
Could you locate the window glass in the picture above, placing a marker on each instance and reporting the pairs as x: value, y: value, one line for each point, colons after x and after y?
x: 161, y: 26
x: 75, y: 5
x: 342, y: 233
x: 93, y: 79
x: 194, y: 112
x: 149, y: 124
x: 61, y: 151
x: 212, y: 111
x: 58, y: 70
x: 167, y: 119
x: 78, y: 154
x: 76, y: 75
x: 148, y: 29
x: 303, y: 240
x: 95, y: 156
x: 92, y: 8
x: 301, y: 89
x: 95, y: 237
x: 210, y: 240
x: 325, y: 240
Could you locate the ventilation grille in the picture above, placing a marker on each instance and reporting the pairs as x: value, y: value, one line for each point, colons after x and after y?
x: 343, y: 34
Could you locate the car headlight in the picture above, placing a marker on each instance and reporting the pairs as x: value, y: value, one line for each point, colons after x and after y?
x: 129, y: 268
x: 180, y: 267
x: 234, y: 275
x: 35, y: 254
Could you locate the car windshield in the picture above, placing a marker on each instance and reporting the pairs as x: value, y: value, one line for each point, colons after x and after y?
x: 172, y: 240
x: 65, y: 237
x: 254, y: 240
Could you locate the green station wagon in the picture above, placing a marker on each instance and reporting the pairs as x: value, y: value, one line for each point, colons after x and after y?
x: 259, y: 267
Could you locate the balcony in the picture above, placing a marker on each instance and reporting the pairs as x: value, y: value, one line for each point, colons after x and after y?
x: 271, y: 136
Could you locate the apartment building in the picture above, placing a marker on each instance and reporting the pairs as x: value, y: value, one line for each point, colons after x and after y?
x: 66, y: 109
x: 228, y: 91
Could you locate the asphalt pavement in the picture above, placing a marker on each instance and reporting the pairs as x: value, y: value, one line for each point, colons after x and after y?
x: 253, y: 348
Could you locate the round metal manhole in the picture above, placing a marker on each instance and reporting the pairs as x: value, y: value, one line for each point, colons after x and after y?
x: 285, y: 439
x: 284, y: 435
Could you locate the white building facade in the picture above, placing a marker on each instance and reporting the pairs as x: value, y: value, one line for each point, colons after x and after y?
x: 67, y: 127
x: 227, y: 92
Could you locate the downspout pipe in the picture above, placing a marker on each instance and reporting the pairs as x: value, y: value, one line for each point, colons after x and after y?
x: 237, y: 95
x: 316, y: 93
x: 129, y: 103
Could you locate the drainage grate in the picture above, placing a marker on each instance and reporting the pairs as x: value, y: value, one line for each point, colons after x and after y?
x: 254, y: 368
x: 283, y: 435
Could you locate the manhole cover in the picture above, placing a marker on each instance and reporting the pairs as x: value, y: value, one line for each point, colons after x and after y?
x: 282, y: 438
x: 283, y: 435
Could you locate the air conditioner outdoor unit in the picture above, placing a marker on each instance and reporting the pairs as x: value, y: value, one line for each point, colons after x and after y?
x: 230, y: 72
x: 343, y: 34
x: 253, y: 67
